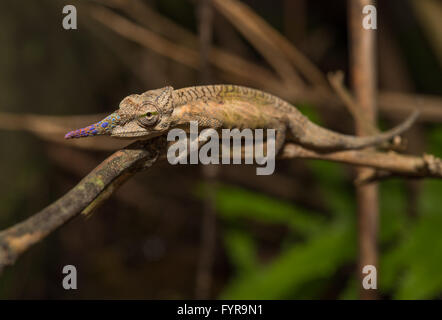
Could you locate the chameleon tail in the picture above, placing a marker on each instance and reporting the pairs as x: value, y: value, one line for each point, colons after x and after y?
x: 322, y: 139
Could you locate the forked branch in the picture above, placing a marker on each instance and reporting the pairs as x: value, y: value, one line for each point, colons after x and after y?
x: 105, y: 179
x: 92, y: 190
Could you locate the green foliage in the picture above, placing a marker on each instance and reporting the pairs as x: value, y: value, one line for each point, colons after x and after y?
x: 295, y: 267
x: 301, y: 267
x: 410, y: 247
x: 393, y: 204
x: 309, y: 111
x: 412, y: 269
x: 235, y: 203
x: 435, y: 141
x: 242, y: 250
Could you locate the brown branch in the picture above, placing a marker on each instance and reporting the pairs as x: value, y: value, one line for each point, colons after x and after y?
x: 86, y: 195
x: 145, y: 37
x: 398, y: 104
x: 337, y: 83
x: 53, y: 129
x: 148, y: 17
x: 426, y: 166
x: 103, y: 181
x: 254, y: 29
x: 259, y: 32
x: 363, y: 69
x: 208, y: 224
x: 118, y: 168
x: 428, y: 15
x: 232, y: 67
x: 240, y: 68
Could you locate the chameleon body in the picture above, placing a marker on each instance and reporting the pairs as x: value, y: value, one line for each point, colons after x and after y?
x: 155, y: 112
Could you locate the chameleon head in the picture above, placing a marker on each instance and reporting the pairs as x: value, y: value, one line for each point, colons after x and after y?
x: 140, y: 116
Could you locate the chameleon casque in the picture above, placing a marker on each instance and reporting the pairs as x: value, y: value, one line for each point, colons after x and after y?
x: 155, y: 112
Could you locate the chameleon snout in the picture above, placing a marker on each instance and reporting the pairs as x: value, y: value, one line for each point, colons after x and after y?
x: 103, y: 127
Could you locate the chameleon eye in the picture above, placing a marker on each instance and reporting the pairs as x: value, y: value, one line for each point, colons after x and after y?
x: 148, y: 119
x: 150, y: 114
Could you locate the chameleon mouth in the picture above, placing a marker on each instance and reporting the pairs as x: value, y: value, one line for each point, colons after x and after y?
x: 135, y: 134
x: 103, y: 127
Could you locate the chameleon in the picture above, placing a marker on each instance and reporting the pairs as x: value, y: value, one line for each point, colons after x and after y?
x: 155, y: 112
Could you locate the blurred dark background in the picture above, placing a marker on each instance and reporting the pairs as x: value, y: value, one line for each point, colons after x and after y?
x: 291, y: 235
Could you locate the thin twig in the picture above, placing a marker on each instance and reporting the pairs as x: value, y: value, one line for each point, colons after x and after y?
x: 393, y: 104
x: 148, y: 17
x: 399, y: 165
x: 337, y: 83
x: 255, y: 30
x: 363, y: 76
x: 17, y: 239
x: 253, y: 26
x: 53, y: 129
x: 230, y: 63
x: 210, y: 172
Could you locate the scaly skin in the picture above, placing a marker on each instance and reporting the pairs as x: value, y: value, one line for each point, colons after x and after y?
x: 155, y: 112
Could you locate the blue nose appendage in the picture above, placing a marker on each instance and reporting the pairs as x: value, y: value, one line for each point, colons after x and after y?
x: 103, y: 127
